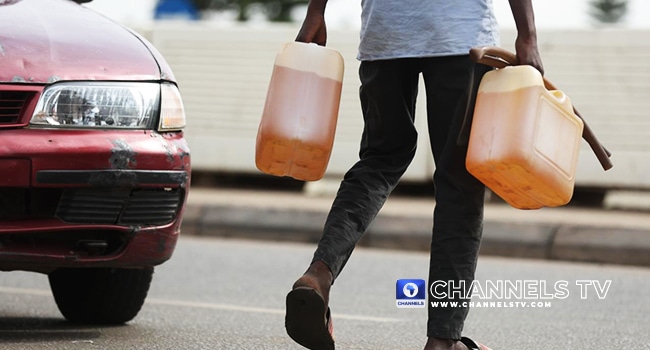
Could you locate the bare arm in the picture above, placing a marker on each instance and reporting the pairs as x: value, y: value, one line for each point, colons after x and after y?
x: 526, y: 43
x: 313, y: 28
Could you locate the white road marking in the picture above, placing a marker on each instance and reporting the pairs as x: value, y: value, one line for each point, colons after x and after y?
x: 217, y: 306
x: 207, y: 305
x: 9, y: 290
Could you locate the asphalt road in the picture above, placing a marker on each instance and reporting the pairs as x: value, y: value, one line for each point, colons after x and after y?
x: 229, y: 294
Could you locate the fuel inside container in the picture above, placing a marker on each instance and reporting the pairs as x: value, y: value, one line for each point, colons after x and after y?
x: 524, y: 140
x: 296, y: 132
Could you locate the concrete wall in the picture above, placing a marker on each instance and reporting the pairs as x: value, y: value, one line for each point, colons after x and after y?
x: 224, y: 73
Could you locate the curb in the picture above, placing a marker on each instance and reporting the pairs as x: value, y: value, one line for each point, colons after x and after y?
x: 549, y: 241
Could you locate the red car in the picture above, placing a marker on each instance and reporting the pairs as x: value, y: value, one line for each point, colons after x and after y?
x: 94, y: 169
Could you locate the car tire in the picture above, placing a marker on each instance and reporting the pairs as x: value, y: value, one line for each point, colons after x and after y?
x: 100, y: 295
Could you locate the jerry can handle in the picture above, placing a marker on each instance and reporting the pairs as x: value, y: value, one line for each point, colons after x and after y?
x: 493, y: 56
x: 500, y: 58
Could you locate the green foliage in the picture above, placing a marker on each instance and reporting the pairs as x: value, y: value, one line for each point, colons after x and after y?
x: 608, y: 11
x: 276, y: 10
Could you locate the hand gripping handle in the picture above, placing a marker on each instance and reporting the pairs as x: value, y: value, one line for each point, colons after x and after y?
x: 500, y: 58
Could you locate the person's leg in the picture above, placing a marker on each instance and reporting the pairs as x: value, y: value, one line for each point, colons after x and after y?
x: 459, y: 196
x: 388, y: 93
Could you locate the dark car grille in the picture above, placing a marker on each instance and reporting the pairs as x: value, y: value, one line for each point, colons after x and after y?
x: 12, y: 104
x: 121, y: 207
x: 150, y: 207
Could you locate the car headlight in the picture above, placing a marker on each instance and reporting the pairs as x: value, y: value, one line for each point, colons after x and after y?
x: 110, y: 105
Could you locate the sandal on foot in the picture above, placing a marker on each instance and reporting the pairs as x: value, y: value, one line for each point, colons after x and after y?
x: 307, y: 320
x: 472, y: 345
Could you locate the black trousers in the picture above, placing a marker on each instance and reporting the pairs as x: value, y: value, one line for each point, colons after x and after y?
x: 388, y: 93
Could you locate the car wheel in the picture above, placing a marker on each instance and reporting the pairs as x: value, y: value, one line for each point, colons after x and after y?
x: 100, y: 295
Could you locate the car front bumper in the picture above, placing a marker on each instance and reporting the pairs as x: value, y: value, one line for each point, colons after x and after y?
x: 90, y: 198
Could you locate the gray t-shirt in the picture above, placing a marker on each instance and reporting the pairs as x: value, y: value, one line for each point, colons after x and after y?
x: 425, y: 28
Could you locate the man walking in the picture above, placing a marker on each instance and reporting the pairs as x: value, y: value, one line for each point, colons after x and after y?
x: 401, y: 39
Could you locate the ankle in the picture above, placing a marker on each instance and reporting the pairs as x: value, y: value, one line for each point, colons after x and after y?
x: 319, y: 276
x: 321, y: 271
x: 444, y: 344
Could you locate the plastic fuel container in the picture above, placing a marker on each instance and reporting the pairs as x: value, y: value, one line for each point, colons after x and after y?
x: 524, y: 139
x: 298, y: 124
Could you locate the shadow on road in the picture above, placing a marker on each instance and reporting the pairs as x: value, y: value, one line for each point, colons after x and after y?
x: 38, y: 330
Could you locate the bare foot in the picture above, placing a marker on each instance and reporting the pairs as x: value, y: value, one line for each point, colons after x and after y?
x: 444, y: 344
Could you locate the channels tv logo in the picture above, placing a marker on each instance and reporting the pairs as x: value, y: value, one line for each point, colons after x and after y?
x: 410, y: 293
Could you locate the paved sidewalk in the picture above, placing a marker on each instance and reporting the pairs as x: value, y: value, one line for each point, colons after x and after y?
x: 576, y: 234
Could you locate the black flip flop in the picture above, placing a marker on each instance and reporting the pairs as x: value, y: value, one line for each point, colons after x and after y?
x: 472, y: 345
x: 307, y: 322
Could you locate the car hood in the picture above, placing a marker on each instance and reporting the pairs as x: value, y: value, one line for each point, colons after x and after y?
x: 43, y: 41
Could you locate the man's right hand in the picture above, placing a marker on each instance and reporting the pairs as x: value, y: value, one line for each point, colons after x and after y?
x: 313, y: 29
